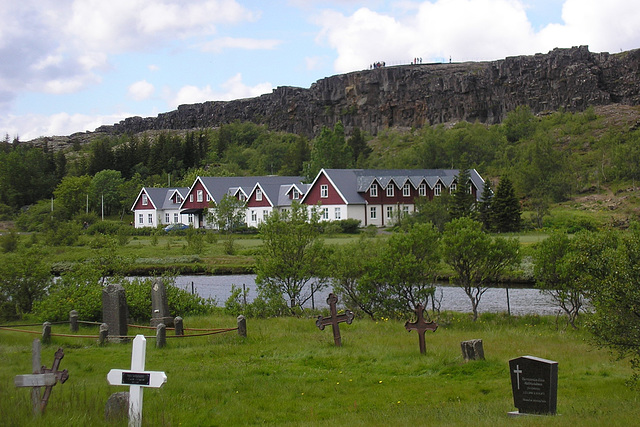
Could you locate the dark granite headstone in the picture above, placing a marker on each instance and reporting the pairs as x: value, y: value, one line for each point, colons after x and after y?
x: 534, y: 382
x: 115, y: 312
x: 160, y: 304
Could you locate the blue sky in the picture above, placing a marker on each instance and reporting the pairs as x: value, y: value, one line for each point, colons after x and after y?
x: 71, y: 65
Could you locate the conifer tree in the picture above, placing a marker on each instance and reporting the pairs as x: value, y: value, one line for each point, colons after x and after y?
x: 506, y: 210
x: 463, y: 201
x: 485, y: 206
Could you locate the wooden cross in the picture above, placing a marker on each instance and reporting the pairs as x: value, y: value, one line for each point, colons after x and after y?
x: 42, y: 377
x: 137, y: 378
x: 334, y: 319
x: 421, y: 326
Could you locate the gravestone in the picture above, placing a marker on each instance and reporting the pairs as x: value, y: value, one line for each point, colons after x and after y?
x: 472, y: 350
x: 137, y: 378
x: 335, y: 319
x: 160, y: 304
x: 534, y: 382
x: 421, y: 326
x: 42, y: 377
x: 117, y: 407
x: 115, y: 312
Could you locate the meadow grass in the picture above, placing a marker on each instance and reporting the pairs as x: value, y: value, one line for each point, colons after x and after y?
x: 287, y: 372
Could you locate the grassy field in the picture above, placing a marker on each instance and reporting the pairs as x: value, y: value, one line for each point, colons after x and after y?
x: 287, y: 372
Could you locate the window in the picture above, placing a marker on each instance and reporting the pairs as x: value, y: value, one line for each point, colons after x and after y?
x: 437, y: 189
x: 167, y: 218
x: 150, y: 218
x: 258, y: 195
x: 175, y: 217
x: 338, y: 213
x: 178, y: 198
x: 254, y: 216
x: 452, y: 189
x: 373, y: 213
x: 422, y: 189
x: 145, y: 200
x: 325, y: 214
x: 390, y: 190
x: 406, y: 190
x: 140, y: 219
x: 208, y: 198
x: 191, y: 197
x: 265, y: 215
x: 200, y: 196
x: 324, y: 191
x: 389, y: 212
x: 190, y: 218
x: 373, y: 191
x: 295, y: 194
x: 405, y: 210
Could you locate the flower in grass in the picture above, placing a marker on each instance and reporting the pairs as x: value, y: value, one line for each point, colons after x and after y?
x: 380, y: 382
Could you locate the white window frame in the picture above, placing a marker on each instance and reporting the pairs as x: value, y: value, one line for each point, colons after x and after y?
x: 437, y: 190
x: 199, y: 196
x: 145, y: 200
x: 258, y: 195
x: 324, y: 191
x: 167, y: 217
x: 265, y: 215
x: 190, y: 218
x: 422, y: 189
x: 389, y: 212
x: 325, y: 214
x: 176, y: 217
x: 452, y: 188
x: 295, y: 194
x: 338, y: 213
x: 390, y: 190
x: 373, y: 212
x: 373, y: 191
x: 405, y: 210
x: 406, y: 190
x: 254, y: 216
x: 150, y: 218
x: 140, y: 219
x: 191, y: 197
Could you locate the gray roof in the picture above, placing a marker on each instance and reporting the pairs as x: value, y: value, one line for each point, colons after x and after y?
x: 218, y: 186
x: 160, y: 198
x: 283, y: 193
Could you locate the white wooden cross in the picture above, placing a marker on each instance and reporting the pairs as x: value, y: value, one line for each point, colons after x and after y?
x: 136, y: 378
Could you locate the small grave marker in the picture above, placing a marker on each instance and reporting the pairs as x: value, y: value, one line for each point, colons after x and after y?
x: 421, y: 326
x: 42, y: 377
x: 335, y: 319
x: 534, y: 382
x: 137, y: 378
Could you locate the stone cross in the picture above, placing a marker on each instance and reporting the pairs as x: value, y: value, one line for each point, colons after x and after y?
x: 42, y: 377
x: 334, y: 319
x: 421, y: 326
x: 136, y: 378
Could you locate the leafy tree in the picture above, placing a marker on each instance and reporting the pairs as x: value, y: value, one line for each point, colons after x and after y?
x: 24, y: 279
x: 505, y: 208
x: 435, y: 211
x: 329, y: 151
x: 292, y: 257
x: 228, y: 215
x: 404, y: 274
x: 477, y: 260
x: 72, y: 192
x: 104, y: 190
x: 519, y: 124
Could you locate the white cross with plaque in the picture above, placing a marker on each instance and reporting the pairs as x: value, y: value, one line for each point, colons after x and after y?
x: 137, y: 378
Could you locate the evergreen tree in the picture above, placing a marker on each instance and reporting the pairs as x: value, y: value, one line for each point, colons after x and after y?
x: 505, y: 212
x: 359, y: 148
x: 330, y: 151
x: 463, y: 201
x: 485, y: 206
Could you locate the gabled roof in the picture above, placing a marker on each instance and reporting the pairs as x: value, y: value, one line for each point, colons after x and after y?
x: 160, y: 198
x: 218, y: 186
x: 283, y: 194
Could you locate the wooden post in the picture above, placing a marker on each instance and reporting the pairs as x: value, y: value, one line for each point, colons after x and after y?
x: 36, y: 364
x: 73, y: 320
x: 242, y: 326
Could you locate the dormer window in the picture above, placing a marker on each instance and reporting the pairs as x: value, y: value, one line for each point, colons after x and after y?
x: 258, y: 195
x: 373, y: 191
x: 390, y: 190
x: 295, y: 194
x: 453, y: 187
x: 406, y: 190
x: 437, y: 190
x: 422, y: 190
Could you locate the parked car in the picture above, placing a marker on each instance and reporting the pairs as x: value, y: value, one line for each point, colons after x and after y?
x: 176, y: 226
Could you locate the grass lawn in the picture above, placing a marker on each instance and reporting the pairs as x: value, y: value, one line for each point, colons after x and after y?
x: 287, y: 372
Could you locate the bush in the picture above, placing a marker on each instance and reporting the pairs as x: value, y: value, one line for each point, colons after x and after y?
x: 349, y: 226
x: 9, y: 241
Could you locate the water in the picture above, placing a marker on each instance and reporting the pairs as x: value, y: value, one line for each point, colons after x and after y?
x: 522, y: 300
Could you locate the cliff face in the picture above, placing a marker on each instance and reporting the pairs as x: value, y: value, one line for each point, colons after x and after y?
x: 424, y: 94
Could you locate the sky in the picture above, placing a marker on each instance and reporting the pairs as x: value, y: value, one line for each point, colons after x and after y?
x: 72, y: 65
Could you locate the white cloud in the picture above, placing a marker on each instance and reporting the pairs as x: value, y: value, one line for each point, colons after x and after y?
x: 141, y: 90
x: 473, y: 30
x: 232, y: 89
x: 56, y: 124
x: 218, y: 45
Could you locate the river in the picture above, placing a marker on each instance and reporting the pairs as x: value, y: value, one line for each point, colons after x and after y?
x: 521, y: 300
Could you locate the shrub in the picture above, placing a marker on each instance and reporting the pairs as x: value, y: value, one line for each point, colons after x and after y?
x: 350, y: 225
x: 9, y: 241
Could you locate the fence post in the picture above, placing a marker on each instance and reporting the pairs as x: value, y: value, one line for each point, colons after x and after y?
x: 46, y: 332
x: 177, y: 323
x: 161, y: 335
x: 73, y: 320
x: 104, y: 333
x: 242, y: 326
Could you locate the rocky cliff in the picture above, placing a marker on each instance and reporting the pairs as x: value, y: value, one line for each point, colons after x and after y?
x: 423, y: 94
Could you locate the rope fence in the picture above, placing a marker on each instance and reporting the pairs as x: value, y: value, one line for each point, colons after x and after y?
x: 104, y: 336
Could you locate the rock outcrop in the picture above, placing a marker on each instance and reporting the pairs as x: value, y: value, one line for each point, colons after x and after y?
x: 424, y: 94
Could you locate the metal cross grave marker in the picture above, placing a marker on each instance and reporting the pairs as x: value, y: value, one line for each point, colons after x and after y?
x: 42, y: 377
x: 136, y: 378
x: 421, y: 326
x: 334, y: 319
